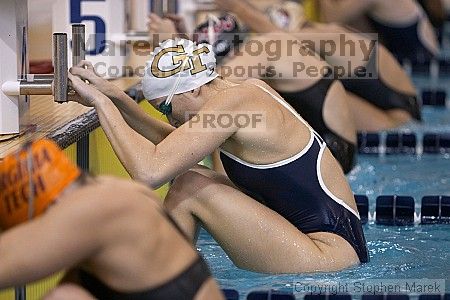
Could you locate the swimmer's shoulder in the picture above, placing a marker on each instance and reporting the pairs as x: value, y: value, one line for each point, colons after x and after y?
x: 257, y: 84
x: 245, y: 95
x: 233, y: 97
x: 111, y: 193
x: 251, y: 87
x: 324, y: 28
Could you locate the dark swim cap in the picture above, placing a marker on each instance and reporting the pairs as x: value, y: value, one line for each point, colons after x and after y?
x: 223, y: 33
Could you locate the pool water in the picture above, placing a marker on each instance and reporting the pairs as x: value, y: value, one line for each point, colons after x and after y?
x: 413, y: 252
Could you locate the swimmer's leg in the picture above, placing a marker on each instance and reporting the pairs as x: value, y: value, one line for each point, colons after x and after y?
x: 372, y: 119
x: 255, y: 237
x: 68, y: 292
x: 337, y: 114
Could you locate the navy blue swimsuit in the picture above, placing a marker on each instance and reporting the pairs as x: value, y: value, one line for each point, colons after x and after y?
x: 309, y: 103
x: 294, y: 188
x: 403, y: 41
x: 378, y: 93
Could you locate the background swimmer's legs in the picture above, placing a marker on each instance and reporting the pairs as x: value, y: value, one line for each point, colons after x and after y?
x: 372, y: 119
x: 254, y: 237
x: 68, y: 292
x: 337, y: 114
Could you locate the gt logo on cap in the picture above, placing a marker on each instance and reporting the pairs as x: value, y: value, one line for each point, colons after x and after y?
x: 179, y: 55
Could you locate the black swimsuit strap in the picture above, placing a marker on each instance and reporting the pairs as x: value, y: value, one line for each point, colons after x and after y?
x: 184, y: 286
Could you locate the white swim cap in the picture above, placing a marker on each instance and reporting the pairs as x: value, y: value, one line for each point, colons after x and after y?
x: 178, y: 66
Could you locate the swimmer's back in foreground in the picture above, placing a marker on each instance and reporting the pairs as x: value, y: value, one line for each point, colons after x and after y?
x: 288, y: 207
x: 113, y: 234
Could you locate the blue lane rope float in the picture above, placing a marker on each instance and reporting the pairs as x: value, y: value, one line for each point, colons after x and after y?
x: 280, y: 295
x: 230, y: 294
x: 435, y: 210
x: 435, y: 297
x: 403, y: 143
x: 436, y: 143
x: 270, y: 295
x: 362, y: 202
x: 434, y: 97
x: 393, y: 210
x: 424, y: 67
x: 385, y: 297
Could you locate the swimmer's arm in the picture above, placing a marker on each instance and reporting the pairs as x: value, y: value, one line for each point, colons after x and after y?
x: 151, y: 128
x: 252, y: 16
x: 343, y: 11
x: 193, y: 141
x: 58, y: 240
x: 181, y: 150
x: 217, y: 163
x: 131, y: 147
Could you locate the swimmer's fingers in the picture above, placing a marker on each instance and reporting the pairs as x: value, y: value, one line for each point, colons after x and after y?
x: 174, y: 17
x: 86, y: 65
x: 164, y: 26
x: 80, y: 86
x: 85, y: 74
x: 154, y: 18
x: 77, y: 85
x: 74, y: 80
x: 74, y: 97
x: 85, y: 94
x: 89, y: 66
x: 154, y: 28
x: 101, y: 84
x: 179, y: 22
x: 153, y: 21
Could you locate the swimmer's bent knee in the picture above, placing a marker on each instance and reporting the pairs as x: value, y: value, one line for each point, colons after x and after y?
x: 190, y: 182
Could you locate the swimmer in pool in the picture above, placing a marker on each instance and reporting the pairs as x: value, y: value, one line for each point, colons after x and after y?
x: 286, y: 206
x: 436, y: 11
x: 403, y: 25
x: 320, y: 100
x: 376, y: 104
x: 114, y: 235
